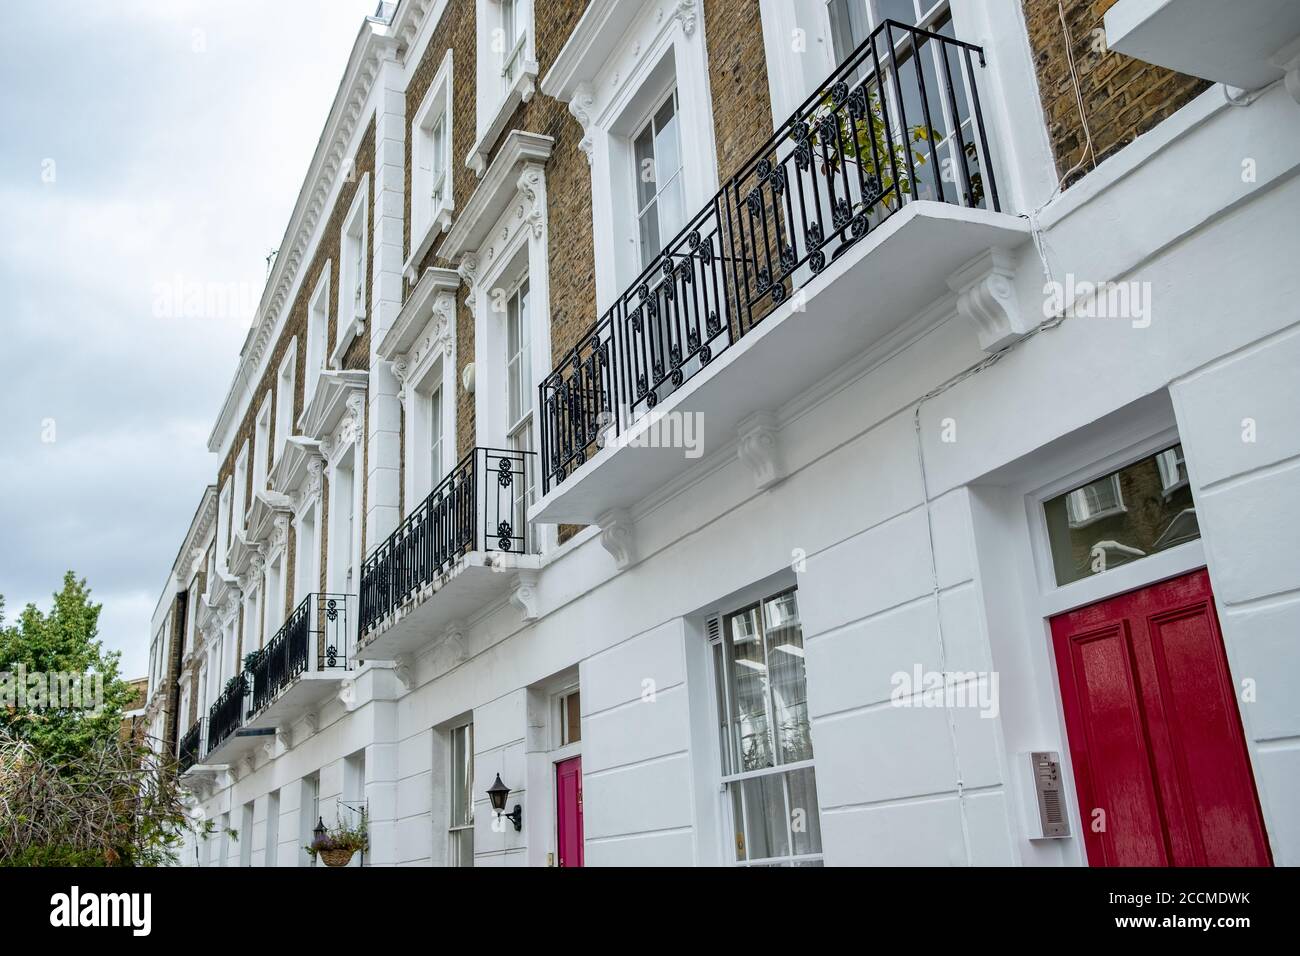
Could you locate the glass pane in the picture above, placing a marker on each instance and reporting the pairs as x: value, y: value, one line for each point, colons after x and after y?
x: 1120, y: 517
x: 668, y: 151
x: 738, y: 821
x: 649, y: 234
x: 748, y: 671
x: 525, y: 351
x: 672, y: 208
x: 849, y: 26
x: 435, y: 435
x: 805, y: 824
x: 785, y: 657
x: 766, y: 833
x: 572, y: 719
x: 462, y: 847
x: 903, y: 11
x: 724, y: 734
x: 462, y: 777
x: 644, y: 152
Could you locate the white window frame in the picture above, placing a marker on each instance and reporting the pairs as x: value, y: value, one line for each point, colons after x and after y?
x: 308, y: 555
x: 435, y: 374
x: 273, y: 587
x: 223, y: 528
x: 1056, y: 598
x: 729, y: 775
x: 353, y: 295
x: 261, y: 446
x: 521, y: 432
x: 453, y: 827
x: 506, y: 73
x: 521, y: 357
x: 521, y: 254
x: 615, y: 97
x: 342, y: 560
x: 191, y: 614
x: 1172, y: 463
x: 430, y: 214
x: 676, y: 177
x: 1081, y: 513
x: 316, y: 348
x: 253, y: 635
x: 285, y: 382
x: 239, y: 495
x: 935, y: 10
x: 560, y: 713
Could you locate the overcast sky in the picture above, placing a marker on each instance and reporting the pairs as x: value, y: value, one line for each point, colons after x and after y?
x: 142, y: 143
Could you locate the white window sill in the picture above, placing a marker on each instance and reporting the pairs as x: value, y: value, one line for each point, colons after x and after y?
x: 440, y: 223
x: 522, y: 91
x: 1099, y: 516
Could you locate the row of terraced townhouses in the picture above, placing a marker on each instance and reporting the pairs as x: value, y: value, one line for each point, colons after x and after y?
x: 756, y: 432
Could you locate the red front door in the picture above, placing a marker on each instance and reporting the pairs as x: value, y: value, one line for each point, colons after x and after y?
x: 568, y: 811
x: 1159, y: 756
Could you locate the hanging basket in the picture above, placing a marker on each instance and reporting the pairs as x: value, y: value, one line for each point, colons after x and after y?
x: 337, y: 857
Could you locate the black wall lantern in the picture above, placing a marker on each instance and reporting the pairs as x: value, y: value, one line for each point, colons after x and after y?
x: 498, y: 793
x: 319, y: 831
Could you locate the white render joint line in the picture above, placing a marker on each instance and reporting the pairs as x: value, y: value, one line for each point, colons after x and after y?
x: 943, y: 653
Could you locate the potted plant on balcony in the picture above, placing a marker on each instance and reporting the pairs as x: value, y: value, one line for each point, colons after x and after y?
x: 337, y: 846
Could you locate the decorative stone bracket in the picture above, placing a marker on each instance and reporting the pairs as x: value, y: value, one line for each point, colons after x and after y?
x: 760, y: 449
x: 986, y: 297
x: 524, y: 595
x: 618, y: 537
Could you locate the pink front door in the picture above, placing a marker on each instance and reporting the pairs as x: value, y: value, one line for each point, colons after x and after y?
x: 568, y: 811
x: 1159, y: 756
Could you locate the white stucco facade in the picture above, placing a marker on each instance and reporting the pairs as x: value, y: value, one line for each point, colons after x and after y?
x: 898, y: 490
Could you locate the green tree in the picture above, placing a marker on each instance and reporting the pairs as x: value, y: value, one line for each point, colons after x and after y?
x: 64, y: 641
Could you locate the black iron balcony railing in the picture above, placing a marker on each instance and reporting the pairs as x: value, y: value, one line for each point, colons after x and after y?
x: 317, y: 627
x: 187, y: 751
x: 899, y: 120
x: 480, y: 506
x: 226, y: 714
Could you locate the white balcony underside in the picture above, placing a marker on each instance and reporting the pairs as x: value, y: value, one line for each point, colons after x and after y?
x: 1233, y: 43
x: 890, y: 276
x: 303, y: 696
x: 476, y: 581
x: 234, y: 747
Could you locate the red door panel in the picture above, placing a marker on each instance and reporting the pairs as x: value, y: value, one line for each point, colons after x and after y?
x: 1155, y: 734
x: 568, y: 811
x: 1113, y: 748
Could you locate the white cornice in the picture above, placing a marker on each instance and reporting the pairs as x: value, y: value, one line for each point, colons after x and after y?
x: 261, y: 516
x: 500, y: 185
x: 290, y: 471
x: 329, y: 403
x: 590, y: 46
x: 436, y: 290
x: 374, y: 45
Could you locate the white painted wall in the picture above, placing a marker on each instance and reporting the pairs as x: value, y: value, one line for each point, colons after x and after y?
x: 899, y: 571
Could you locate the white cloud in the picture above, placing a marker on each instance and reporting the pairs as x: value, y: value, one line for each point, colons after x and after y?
x: 179, y: 132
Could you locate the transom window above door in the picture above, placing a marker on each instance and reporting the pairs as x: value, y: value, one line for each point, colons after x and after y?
x: 1121, y: 517
x: 661, y: 203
